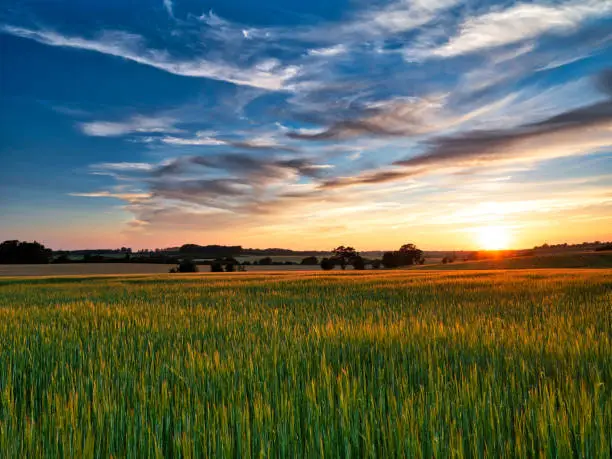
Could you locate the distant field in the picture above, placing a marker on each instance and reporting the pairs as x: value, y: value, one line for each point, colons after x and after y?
x: 72, y: 269
x: 572, y: 260
x: 372, y: 364
x: 561, y: 260
x: 87, y: 269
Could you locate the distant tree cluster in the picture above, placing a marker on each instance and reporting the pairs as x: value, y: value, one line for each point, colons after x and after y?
x: 216, y: 251
x: 327, y: 264
x: 311, y: 261
x: 584, y: 245
x: 344, y: 256
x: 227, y: 264
x: 449, y: 259
x: 407, y: 255
x: 280, y: 252
x: 187, y: 266
x: 16, y: 252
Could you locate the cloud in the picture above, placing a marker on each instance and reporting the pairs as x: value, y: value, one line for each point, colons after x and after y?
x: 377, y: 23
x: 400, y: 16
x: 205, y: 139
x: 397, y: 17
x: 124, y: 167
x: 327, y: 52
x: 520, y: 22
x: 198, y: 140
x: 130, y: 197
x: 254, y: 170
x: 398, y: 117
x: 575, y: 132
x: 240, y: 184
x: 370, y: 178
x: 130, y: 46
x: 169, y: 8
x: 206, y: 191
x: 135, y: 124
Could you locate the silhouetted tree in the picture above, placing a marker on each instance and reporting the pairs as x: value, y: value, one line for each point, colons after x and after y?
x: 187, y: 265
x: 310, y: 261
x: 216, y: 267
x: 376, y: 264
x: 358, y: 263
x: 343, y: 255
x: 13, y: 252
x: 390, y: 260
x: 327, y: 264
x: 210, y: 250
x: 230, y: 267
x: 266, y: 261
x: 409, y: 255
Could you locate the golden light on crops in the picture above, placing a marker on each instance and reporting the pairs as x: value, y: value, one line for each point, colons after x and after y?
x: 493, y: 237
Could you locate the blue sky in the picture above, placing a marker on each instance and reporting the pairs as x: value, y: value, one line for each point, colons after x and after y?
x: 305, y: 124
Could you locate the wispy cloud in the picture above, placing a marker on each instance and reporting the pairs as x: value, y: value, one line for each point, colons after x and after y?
x: 169, y: 8
x: 250, y: 168
x: 125, y: 167
x: 193, y: 141
x: 129, y: 197
x: 398, y: 117
x: 331, y: 51
x: 396, y: 17
x: 136, y: 124
x: 518, y: 23
x: 252, y: 143
x: 575, y: 132
x: 370, y: 178
x: 270, y: 75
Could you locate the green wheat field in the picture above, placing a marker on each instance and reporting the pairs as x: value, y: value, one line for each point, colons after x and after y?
x: 375, y: 364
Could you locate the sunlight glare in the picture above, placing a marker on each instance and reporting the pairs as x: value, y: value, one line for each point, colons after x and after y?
x: 493, y: 237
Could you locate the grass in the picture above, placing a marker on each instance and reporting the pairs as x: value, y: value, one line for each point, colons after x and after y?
x: 387, y: 364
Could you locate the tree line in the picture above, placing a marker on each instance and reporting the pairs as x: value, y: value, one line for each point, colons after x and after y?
x: 17, y: 252
x: 343, y: 256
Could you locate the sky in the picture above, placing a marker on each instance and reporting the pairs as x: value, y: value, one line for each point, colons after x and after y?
x: 305, y: 125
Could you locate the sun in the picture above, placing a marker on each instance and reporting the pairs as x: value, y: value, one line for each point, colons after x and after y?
x: 493, y: 237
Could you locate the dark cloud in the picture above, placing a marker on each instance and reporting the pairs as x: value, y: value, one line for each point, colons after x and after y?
x: 236, y: 164
x: 214, y: 193
x: 214, y: 187
x: 253, y: 145
x: 396, y: 118
x: 369, y: 178
x: 235, y: 183
x: 485, y: 146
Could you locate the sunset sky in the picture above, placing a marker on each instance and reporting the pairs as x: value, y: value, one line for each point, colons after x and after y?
x: 305, y: 124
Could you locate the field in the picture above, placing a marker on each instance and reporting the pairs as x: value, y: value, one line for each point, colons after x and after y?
x: 373, y: 364
x: 558, y: 260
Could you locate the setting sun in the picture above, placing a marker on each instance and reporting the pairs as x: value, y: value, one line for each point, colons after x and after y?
x: 493, y: 237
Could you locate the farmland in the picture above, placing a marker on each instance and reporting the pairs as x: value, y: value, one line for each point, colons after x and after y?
x: 373, y: 364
